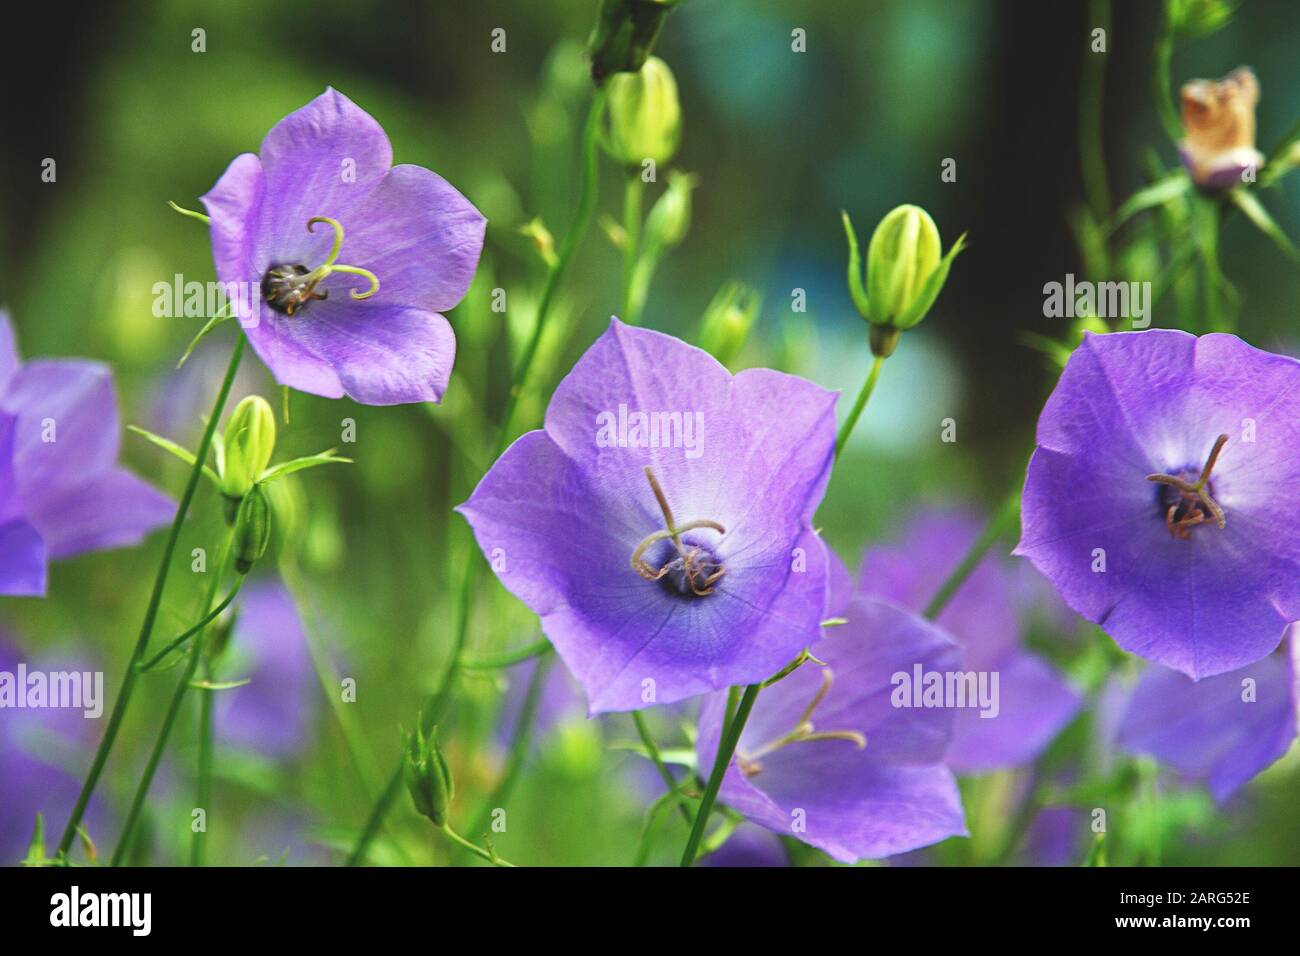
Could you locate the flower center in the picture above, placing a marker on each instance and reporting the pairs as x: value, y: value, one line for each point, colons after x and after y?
x: 1185, y: 504
x: 684, y: 567
x: 750, y: 763
x: 288, y: 287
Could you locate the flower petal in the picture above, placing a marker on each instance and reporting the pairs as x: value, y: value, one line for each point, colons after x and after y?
x: 112, y: 509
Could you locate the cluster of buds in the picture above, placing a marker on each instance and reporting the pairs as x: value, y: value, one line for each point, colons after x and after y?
x: 906, y: 271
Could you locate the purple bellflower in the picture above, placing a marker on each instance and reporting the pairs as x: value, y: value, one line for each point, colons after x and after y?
x: 1222, y: 730
x: 61, y: 490
x: 1032, y: 703
x: 660, y: 524
x: 346, y: 260
x: 835, y: 756
x: 1160, y: 499
x: 273, y: 713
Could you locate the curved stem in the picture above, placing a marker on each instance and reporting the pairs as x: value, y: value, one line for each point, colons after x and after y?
x: 726, y: 749
x: 868, y: 387
x: 508, y: 658
x: 657, y: 759
x: 998, y: 526
x: 1163, y: 88
x: 204, y: 622
x: 476, y: 849
x: 169, y: 719
x: 151, y: 610
x: 582, y: 219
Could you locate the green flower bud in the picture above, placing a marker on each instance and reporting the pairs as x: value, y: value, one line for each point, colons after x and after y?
x: 252, y: 529
x: 428, y: 778
x: 249, y: 442
x: 728, y: 320
x: 625, y: 34
x: 905, y: 273
x: 669, y: 218
x: 1199, y: 18
x: 645, y: 117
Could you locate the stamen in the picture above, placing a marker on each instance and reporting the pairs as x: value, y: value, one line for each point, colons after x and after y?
x: 1194, y: 499
x: 699, y: 570
x: 804, y: 732
x: 288, y: 287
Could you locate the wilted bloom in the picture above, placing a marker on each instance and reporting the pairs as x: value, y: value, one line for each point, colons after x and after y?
x: 625, y: 34
x: 274, y: 713
x: 828, y: 755
x: 1219, y: 116
x: 1222, y: 730
x: 350, y: 259
x: 1029, y: 702
x: 661, y: 522
x: 645, y: 117
x: 61, y: 490
x: 906, y: 270
x: 1160, y: 500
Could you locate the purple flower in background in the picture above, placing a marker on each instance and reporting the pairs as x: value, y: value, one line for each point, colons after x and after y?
x: 273, y: 714
x: 61, y: 490
x: 1161, y: 498
x: 661, y: 522
x: 41, y: 751
x: 1222, y: 730
x: 829, y: 757
x: 323, y: 188
x: 1032, y: 702
x: 748, y: 846
x: 559, y: 701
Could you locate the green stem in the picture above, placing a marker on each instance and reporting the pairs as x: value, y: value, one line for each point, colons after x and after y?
x: 1161, y: 78
x: 169, y: 719
x: 151, y: 610
x: 1001, y: 523
x: 726, y: 749
x: 203, y: 784
x: 476, y: 849
x: 582, y: 219
x: 521, y: 740
x: 508, y: 658
x: 1091, y: 134
x: 868, y: 387
x: 207, y: 619
x: 633, y: 191
x: 657, y: 759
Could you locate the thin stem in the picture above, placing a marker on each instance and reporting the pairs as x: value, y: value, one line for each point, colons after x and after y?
x: 726, y: 749
x: 998, y: 526
x: 1163, y: 88
x: 203, y: 783
x: 633, y: 191
x: 169, y: 718
x: 508, y: 658
x: 1093, y: 158
x: 151, y: 610
x: 520, y: 742
x: 582, y: 219
x: 204, y: 622
x: 657, y: 759
x: 868, y: 387
x: 476, y: 849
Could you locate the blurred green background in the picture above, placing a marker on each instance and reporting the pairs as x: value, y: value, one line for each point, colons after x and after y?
x: 780, y: 143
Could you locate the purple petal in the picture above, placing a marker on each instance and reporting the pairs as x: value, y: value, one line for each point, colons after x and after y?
x: 112, y: 509
x: 1210, y: 729
x: 67, y: 425
x: 22, y: 550
x: 9, y: 358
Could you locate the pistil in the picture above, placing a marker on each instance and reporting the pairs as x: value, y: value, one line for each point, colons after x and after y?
x: 288, y: 287
x: 700, y: 571
x: 804, y: 732
x: 1194, y: 500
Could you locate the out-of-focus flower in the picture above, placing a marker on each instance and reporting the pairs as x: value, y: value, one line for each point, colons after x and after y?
x: 1219, y: 116
x: 661, y: 522
x: 624, y: 35
x: 61, y: 490
x: 829, y: 758
x: 1033, y: 702
x: 1159, y: 499
x: 273, y: 713
x: 749, y: 846
x: 727, y: 321
x: 349, y: 259
x: 1223, y: 730
x: 645, y: 117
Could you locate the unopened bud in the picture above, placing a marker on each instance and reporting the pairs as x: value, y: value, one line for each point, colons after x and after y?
x: 669, y: 218
x: 252, y: 529
x: 249, y: 443
x: 728, y: 320
x: 625, y: 34
x: 645, y: 117
x: 428, y: 778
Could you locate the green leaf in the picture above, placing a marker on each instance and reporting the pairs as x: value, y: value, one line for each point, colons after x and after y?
x: 36, y: 847
x: 1157, y: 194
x: 1248, y: 203
x: 299, y: 464
x: 213, y: 322
x: 856, y: 290
x: 168, y: 445
x: 219, y: 685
